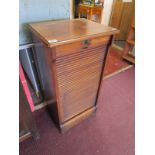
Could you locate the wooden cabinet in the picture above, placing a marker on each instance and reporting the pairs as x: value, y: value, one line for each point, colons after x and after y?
x: 89, y: 11
x: 71, y: 55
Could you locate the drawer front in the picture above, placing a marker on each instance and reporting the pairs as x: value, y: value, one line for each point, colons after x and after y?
x: 83, y: 9
x: 78, y: 78
x: 71, y: 48
x: 97, y: 11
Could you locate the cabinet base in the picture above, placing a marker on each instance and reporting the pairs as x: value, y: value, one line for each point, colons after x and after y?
x: 77, y: 119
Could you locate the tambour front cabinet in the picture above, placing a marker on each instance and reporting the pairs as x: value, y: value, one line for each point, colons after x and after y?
x: 70, y: 56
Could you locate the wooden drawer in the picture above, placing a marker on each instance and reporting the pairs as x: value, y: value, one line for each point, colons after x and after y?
x: 78, y: 78
x: 83, y: 9
x: 71, y: 48
x: 97, y: 10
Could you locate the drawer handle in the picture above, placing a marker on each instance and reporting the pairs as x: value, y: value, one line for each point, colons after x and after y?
x: 86, y: 43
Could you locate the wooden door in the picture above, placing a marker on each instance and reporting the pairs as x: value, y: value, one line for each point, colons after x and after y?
x: 122, y: 13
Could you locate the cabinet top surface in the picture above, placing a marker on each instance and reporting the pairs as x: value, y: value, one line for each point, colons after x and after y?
x: 63, y: 31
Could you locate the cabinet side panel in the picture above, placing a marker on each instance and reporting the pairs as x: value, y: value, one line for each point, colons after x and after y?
x: 43, y: 63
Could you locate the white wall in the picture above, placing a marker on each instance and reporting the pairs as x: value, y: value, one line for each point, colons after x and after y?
x: 39, y: 10
x: 107, y: 11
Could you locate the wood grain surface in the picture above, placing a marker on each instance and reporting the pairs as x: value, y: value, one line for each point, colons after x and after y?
x: 54, y: 33
x: 73, y: 66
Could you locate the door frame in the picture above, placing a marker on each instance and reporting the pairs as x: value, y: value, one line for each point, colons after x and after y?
x: 106, y: 14
x: 122, y: 16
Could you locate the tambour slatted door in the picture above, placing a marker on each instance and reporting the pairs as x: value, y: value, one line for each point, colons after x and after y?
x: 78, y: 80
x: 71, y: 55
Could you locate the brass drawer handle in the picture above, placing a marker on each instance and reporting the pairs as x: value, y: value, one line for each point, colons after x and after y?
x: 86, y: 43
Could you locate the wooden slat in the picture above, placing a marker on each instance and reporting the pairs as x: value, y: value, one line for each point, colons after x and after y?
x: 79, y: 75
x: 129, y: 58
x: 78, y: 84
x: 73, y: 62
x: 78, y: 79
x: 25, y: 136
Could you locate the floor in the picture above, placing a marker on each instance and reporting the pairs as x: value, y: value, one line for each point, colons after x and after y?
x: 115, y: 64
x: 119, y: 43
x: 109, y: 132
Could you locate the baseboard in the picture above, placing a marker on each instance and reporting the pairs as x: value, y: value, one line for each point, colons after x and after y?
x: 43, y: 104
x: 119, y: 71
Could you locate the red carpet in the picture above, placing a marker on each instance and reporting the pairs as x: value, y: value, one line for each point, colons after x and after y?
x: 109, y: 132
x: 114, y: 62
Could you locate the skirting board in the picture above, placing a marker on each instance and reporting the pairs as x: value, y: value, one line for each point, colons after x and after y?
x: 117, y: 72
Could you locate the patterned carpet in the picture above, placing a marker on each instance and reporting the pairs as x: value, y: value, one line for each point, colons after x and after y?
x: 109, y: 132
x: 114, y: 63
